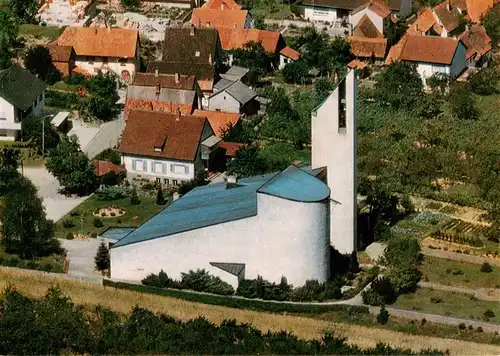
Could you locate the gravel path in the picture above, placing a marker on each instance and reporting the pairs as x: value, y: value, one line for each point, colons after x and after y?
x: 491, y: 294
x: 459, y: 256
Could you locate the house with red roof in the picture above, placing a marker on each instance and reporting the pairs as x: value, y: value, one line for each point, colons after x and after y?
x: 478, y: 46
x: 377, y: 12
x: 366, y: 41
x: 168, y: 148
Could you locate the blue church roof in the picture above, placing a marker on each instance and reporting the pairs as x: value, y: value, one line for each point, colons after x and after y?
x: 215, y: 204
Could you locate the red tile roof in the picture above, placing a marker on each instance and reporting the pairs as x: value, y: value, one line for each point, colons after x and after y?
x: 356, y: 63
x: 218, y: 120
x: 231, y: 147
x: 165, y: 80
x: 378, y: 7
x: 222, y: 5
x: 103, y: 167
x: 219, y: 18
x: 237, y: 38
x: 180, y: 134
x: 424, y: 22
x: 156, y: 105
x: 449, y: 16
x: 366, y: 28
x: 368, y: 47
x: 476, y: 9
x: 94, y: 41
x: 429, y: 49
x: 60, y: 53
x: 477, y: 41
x: 290, y: 53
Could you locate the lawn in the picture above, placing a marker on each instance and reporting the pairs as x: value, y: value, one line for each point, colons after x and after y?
x: 123, y: 301
x: 271, y: 9
x: 61, y: 85
x: 448, y: 303
x: 458, y: 274
x: 83, y: 219
x: 29, y: 155
x: 36, y: 31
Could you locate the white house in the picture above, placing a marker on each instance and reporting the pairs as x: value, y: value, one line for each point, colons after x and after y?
x: 288, y: 55
x: 434, y: 54
x: 164, y: 147
x: 234, y: 97
x: 103, y: 50
x: 377, y: 12
x: 21, y: 94
x: 272, y: 225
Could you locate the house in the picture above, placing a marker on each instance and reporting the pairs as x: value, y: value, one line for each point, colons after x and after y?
x: 235, y: 73
x: 220, y: 121
x: 108, y: 173
x: 376, y: 12
x: 163, y: 92
x: 233, y: 97
x: 21, y: 94
x: 218, y: 18
x: 71, y: 13
x: 334, y: 10
x: 165, y: 147
x: 367, y: 41
x: 103, y: 50
x: 478, y: 46
x: 272, y: 225
x: 288, y: 55
x: 272, y: 41
x: 431, y: 55
x: 181, y: 4
x: 222, y: 5
x: 63, y: 58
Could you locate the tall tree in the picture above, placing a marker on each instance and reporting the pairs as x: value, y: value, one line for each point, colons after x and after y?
x: 9, y: 30
x: 39, y: 62
x: 491, y: 23
x: 72, y: 167
x: 247, y: 162
x: 32, y: 130
x: 462, y: 102
x: 100, y: 104
x: 24, y: 10
x: 102, y: 259
x: 9, y: 174
x: 295, y: 72
x: 254, y: 57
x: 25, y: 229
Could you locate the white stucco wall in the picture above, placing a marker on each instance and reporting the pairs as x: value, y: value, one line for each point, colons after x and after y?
x: 164, y: 169
x: 318, y: 13
x: 284, y: 60
x: 335, y: 148
x: 224, y: 102
x: 285, y: 239
x: 377, y: 20
x: 113, y: 65
x: 7, y: 111
x: 458, y: 65
x: 9, y: 116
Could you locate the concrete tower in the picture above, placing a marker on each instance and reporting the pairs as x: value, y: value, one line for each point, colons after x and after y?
x: 334, y: 142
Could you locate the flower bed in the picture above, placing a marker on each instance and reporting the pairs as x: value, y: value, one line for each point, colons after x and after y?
x: 109, y: 212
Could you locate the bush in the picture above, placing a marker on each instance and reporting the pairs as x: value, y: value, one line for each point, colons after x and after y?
x: 383, y: 316
x: 381, y: 292
x: 489, y: 313
x: 112, y: 214
x: 160, y: 280
x: 486, y: 268
x: 462, y: 326
x: 75, y: 79
x: 98, y: 223
x: 61, y: 100
x: 134, y: 199
x: 70, y: 236
x: 436, y: 300
x: 93, y: 235
x: 202, y: 281
x: 68, y: 223
x: 75, y: 213
x: 458, y: 272
x: 479, y: 329
x: 110, y: 194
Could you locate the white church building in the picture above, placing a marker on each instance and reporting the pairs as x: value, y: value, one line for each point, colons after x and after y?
x: 273, y: 225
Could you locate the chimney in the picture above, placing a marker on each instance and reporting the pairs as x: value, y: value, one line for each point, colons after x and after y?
x: 191, y: 33
x: 210, y: 58
x: 157, y: 72
x: 448, y: 5
x: 222, y: 6
x: 177, y: 78
x: 178, y: 114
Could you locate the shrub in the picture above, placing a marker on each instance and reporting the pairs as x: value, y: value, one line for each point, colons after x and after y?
x: 75, y: 213
x: 160, y: 280
x: 112, y: 214
x: 381, y: 292
x: 436, y: 300
x: 98, y: 223
x: 383, y: 316
x: 101, y: 258
x: 119, y: 221
x: 458, y: 272
x: 110, y: 194
x: 134, y: 199
x: 471, y: 327
x: 93, y: 235
x: 70, y: 236
x: 486, y: 268
x: 462, y: 326
x: 423, y: 321
x: 68, y: 223
x: 160, y: 199
x: 489, y: 313
x: 479, y: 329
x: 202, y: 281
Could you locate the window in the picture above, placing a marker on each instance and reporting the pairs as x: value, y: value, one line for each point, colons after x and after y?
x: 90, y: 59
x: 104, y: 59
x: 122, y: 61
x: 179, y: 169
x: 197, y: 54
x: 165, y: 181
x: 158, y: 167
x: 139, y: 165
x: 158, y: 180
x: 175, y: 182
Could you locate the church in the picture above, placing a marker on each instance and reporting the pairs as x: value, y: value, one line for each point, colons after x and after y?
x: 272, y: 225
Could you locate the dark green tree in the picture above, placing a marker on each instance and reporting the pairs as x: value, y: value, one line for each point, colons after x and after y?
x: 72, y: 167
x: 102, y: 259
x: 295, y: 72
x: 160, y: 199
x: 491, y: 23
x: 134, y: 198
x: 131, y: 4
x: 383, y: 316
x: 400, y: 86
x: 9, y: 175
x: 25, y: 229
x: 24, y: 10
x: 39, y: 62
x: 9, y: 30
x: 462, y: 103
x: 32, y: 130
x: 247, y: 162
x: 254, y: 57
x: 484, y: 81
x: 100, y: 103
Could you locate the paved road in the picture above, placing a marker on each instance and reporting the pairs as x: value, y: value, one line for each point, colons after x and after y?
x: 56, y: 205
x: 81, y: 255
x: 107, y: 137
x: 83, y: 131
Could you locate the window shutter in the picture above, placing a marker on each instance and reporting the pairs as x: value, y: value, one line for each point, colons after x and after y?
x: 134, y: 166
x: 144, y: 166
x: 164, y: 168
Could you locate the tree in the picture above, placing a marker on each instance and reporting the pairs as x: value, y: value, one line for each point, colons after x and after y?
x: 462, y: 103
x: 491, y: 23
x: 9, y: 30
x: 72, y: 167
x: 247, y: 162
x: 160, y: 199
x: 39, y: 62
x: 100, y: 102
x: 25, y: 229
x: 133, y: 4
x: 134, y: 198
x: 254, y: 57
x: 9, y: 174
x: 383, y: 316
x: 295, y: 72
x: 32, y: 130
x: 109, y: 154
x: 400, y: 86
x: 24, y: 10
x: 200, y: 179
x: 484, y: 81
x: 102, y: 259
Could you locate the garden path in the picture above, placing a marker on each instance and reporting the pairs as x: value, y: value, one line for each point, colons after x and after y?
x: 491, y: 294
x: 459, y: 256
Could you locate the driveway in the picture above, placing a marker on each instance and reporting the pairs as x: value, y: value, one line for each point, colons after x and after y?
x: 108, y: 136
x: 83, y: 131
x: 81, y: 255
x: 56, y: 205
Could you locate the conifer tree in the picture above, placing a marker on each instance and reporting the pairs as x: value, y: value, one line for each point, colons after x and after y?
x: 160, y: 199
x: 102, y: 257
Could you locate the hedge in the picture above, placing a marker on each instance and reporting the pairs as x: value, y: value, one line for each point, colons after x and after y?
x: 238, y: 302
x: 46, y: 266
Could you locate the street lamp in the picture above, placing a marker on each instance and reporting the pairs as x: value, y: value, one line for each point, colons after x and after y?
x: 43, y: 133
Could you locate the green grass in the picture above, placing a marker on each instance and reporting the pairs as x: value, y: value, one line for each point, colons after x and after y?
x: 434, y: 205
x: 53, y: 263
x: 451, y: 304
x: 29, y: 155
x: 271, y: 9
x: 277, y: 151
x: 61, y: 85
x: 440, y: 270
x: 36, y: 31
x: 84, y: 219
x: 448, y: 209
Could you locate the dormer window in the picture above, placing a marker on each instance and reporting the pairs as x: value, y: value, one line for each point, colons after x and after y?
x: 197, y: 54
x: 160, y: 144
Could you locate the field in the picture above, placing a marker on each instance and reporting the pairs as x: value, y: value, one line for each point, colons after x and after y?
x: 448, y: 303
x: 304, y: 327
x: 83, y: 219
x: 447, y: 272
x: 50, y: 33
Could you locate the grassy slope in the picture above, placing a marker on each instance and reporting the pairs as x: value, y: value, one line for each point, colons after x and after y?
x: 435, y: 269
x: 134, y: 216
x: 452, y: 304
x: 305, y: 328
x: 36, y: 31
